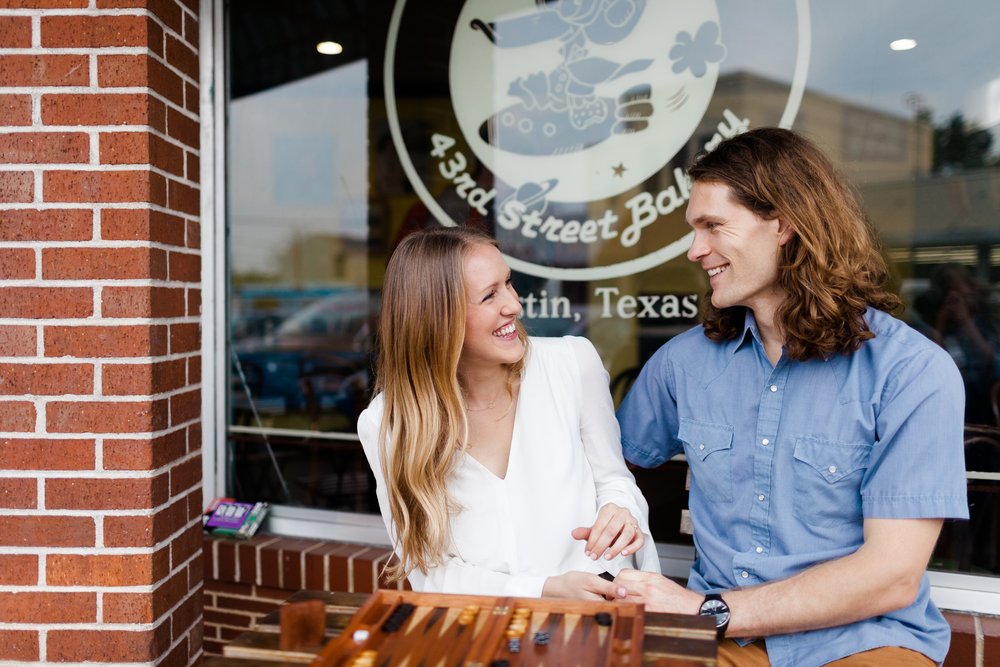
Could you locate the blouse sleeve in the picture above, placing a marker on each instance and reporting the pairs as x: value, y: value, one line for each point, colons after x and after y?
x: 601, y: 438
x: 453, y: 575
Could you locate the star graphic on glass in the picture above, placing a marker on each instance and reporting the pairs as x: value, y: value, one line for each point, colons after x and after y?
x: 619, y: 170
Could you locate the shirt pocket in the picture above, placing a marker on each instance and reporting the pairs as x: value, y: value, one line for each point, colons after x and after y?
x: 828, y: 479
x: 709, y: 451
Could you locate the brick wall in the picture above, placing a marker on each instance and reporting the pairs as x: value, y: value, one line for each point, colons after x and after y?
x: 100, y: 442
x: 245, y: 581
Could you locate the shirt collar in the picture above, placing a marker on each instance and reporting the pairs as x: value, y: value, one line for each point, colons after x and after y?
x: 749, y: 330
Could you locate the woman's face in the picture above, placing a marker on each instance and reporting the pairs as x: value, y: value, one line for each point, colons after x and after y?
x: 491, y: 310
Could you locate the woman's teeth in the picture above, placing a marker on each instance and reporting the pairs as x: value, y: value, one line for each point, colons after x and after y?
x: 503, y: 332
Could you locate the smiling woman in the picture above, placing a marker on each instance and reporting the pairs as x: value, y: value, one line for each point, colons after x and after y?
x: 497, y: 458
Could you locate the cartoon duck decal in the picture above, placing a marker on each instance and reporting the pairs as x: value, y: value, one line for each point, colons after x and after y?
x: 562, y: 110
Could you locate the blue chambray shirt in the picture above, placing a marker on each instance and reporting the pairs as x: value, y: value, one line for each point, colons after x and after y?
x: 787, y: 461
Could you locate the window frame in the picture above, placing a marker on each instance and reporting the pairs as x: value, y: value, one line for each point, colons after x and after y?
x: 950, y: 590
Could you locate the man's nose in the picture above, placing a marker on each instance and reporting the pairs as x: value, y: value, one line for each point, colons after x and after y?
x: 698, y: 248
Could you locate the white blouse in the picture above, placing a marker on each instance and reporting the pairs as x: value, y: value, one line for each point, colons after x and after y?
x: 565, y: 464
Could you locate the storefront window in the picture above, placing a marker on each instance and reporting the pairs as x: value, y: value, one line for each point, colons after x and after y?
x: 564, y: 129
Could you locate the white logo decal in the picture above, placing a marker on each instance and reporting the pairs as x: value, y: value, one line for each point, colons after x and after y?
x: 569, y: 103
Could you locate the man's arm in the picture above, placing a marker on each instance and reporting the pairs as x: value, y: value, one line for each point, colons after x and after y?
x: 881, y: 576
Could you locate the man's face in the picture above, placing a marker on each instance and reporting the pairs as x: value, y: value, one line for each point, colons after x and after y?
x: 737, y: 248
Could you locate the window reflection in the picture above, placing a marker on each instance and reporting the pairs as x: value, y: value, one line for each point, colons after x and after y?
x: 320, y: 191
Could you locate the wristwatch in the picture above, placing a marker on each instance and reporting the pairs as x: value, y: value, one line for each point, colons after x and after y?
x: 715, y: 606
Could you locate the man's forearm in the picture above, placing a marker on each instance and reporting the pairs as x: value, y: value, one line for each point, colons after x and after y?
x: 881, y: 576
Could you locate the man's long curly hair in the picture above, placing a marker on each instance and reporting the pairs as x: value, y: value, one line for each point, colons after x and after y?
x: 831, y: 270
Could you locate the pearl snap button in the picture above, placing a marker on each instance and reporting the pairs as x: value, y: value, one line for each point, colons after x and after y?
x: 760, y: 550
x: 701, y: 446
x: 832, y: 469
x: 760, y: 497
x: 744, y: 574
x: 765, y: 441
x: 774, y: 387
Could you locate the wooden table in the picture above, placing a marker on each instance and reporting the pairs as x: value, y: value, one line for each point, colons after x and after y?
x: 669, y: 640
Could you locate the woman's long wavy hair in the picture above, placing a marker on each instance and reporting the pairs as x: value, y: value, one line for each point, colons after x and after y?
x: 421, y: 334
x: 831, y: 270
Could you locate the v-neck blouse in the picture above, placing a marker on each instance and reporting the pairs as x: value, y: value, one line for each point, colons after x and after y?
x: 565, y: 464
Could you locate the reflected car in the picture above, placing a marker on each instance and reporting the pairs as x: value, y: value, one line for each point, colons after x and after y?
x: 313, y: 369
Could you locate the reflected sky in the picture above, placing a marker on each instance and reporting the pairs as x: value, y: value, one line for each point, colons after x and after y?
x: 298, y: 165
x: 955, y: 67
x: 298, y: 153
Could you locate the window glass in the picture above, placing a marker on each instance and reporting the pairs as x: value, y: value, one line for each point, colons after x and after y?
x: 564, y: 128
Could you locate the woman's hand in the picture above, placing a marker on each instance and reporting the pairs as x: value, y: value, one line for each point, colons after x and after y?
x: 581, y: 585
x: 615, y: 531
x: 657, y: 592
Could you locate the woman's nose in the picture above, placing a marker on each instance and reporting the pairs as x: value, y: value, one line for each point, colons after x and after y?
x: 512, y: 305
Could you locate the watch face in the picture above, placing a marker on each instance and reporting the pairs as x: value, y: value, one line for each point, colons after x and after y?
x: 716, y: 608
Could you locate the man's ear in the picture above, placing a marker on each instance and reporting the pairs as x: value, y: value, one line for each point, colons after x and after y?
x: 785, y: 233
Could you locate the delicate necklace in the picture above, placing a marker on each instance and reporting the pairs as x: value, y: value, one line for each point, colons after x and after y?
x: 488, y: 406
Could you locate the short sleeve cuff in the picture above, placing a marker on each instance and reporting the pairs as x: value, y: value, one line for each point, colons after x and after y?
x: 920, y: 507
x: 638, y: 455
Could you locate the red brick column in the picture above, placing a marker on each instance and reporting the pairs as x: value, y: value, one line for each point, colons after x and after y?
x: 100, y: 371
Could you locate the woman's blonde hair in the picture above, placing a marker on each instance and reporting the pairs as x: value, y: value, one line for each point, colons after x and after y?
x: 831, y: 270
x: 424, y: 427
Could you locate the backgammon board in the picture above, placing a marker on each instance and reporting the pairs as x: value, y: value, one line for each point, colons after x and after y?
x: 440, y: 630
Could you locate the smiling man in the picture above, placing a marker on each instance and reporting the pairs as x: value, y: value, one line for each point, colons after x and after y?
x: 823, y: 435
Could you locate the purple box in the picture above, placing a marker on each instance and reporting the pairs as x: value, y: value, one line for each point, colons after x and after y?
x: 229, y: 515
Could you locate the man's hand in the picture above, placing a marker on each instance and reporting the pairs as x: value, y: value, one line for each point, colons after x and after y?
x: 615, y: 531
x: 580, y: 585
x: 657, y: 592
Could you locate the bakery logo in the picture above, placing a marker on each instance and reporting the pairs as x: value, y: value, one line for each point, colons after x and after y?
x: 560, y: 106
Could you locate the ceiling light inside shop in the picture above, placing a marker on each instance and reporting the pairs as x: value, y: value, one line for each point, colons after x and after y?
x: 903, y: 44
x: 329, y: 48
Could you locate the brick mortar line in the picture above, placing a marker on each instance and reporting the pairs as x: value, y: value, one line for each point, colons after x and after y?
x: 977, y: 625
x: 239, y: 596
x: 94, y: 207
x: 42, y: 361
x: 103, y: 12
x: 251, y: 616
x: 6, y: 473
x: 94, y: 90
x: 105, y: 321
x: 94, y: 129
x: 95, y: 168
x: 98, y: 398
x: 99, y: 243
x: 233, y: 627
x: 106, y: 167
x: 139, y: 627
x: 77, y: 51
x: 44, y: 401
x: 102, y: 436
x: 108, y: 283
